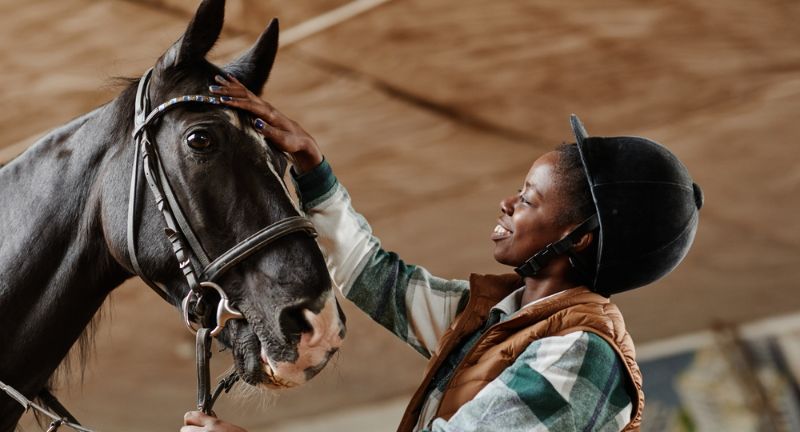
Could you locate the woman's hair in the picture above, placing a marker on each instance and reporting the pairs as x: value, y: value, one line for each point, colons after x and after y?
x: 571, y: 177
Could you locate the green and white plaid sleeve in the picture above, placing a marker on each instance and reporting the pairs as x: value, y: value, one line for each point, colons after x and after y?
x: 406, y: 299
x: 567, y: 383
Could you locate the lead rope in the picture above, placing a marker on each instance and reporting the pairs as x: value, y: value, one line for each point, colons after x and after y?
x: 205, y: 398
x: 203, y: 352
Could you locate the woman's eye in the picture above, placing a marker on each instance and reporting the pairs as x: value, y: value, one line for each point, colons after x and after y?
x: 199, y: 140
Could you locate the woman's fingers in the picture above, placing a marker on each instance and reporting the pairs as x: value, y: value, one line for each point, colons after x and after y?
x: 237, y: 102
x: 228, y: 84
x: 258, y: 107
x: 198, y: 418
x: 229, y: 81
x: 284, y: 140
x: 246, y: 104
x: 277, y: 136
x: 196, y: 421
x: 233, y: 79
x: 228, y: 88
x: 274, y: 125
x: 228, y: 91
x: 221, y: 79
x: 240, y: 97
x: 275, y: 117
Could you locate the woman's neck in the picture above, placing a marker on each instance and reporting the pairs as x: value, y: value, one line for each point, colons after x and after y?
x: 551, y: 280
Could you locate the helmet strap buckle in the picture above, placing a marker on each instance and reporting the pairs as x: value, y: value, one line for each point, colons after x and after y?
x: 533, y: 265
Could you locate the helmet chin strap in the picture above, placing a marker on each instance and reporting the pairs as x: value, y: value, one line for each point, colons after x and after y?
x: 566, y: 245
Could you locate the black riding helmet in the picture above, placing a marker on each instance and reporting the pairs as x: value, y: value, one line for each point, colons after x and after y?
x: 647, y: 212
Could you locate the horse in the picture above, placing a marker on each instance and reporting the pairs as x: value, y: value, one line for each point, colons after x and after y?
x: 65, y: 207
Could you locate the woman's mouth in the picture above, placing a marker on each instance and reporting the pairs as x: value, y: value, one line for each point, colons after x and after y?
x: 500, y: 233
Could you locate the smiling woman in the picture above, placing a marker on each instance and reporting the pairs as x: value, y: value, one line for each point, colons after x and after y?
x: 554, y: 201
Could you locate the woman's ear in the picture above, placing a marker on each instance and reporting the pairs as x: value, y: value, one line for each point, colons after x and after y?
x: 584, y: 242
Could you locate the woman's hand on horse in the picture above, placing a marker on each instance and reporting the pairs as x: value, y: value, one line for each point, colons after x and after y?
x: 281, y: 131
x: 196, y: 421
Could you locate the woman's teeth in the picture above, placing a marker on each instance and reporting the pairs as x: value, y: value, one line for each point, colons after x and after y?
x: 500, y: 230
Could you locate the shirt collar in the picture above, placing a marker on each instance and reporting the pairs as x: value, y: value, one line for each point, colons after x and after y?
x: 510, y: 305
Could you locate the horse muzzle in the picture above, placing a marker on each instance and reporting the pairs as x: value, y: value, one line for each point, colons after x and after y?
x: 314, y: 349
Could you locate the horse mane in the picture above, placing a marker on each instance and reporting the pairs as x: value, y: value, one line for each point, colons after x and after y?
x: 83, y: 349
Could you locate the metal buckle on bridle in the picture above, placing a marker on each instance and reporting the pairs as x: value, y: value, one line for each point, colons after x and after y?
x: 55, y: 424
x: 224, y: 311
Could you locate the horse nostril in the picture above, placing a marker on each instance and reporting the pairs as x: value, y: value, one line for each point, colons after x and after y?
x: 314, y: 326
x: 294, y: 323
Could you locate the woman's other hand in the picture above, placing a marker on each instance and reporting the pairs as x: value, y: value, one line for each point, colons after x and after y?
x: 281, y: 131
x: 196, y: 421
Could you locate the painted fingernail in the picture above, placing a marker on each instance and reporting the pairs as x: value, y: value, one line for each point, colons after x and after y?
x: 259, y: 124
x: 214, y: 88
x: 225, y: 98
x: 220, y: 79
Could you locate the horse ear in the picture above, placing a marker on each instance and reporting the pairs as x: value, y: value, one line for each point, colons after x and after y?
x: 253, y: 67
x: 199, y: 37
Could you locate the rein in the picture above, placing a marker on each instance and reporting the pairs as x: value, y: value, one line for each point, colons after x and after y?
x: 64, y: 418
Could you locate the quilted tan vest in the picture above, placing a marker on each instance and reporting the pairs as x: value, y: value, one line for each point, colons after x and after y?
x: 576, y: 309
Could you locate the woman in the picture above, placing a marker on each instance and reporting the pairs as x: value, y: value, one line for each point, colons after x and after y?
x: 544, y: 347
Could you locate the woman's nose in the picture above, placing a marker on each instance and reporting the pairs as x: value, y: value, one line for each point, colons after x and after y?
x: 507, y: 205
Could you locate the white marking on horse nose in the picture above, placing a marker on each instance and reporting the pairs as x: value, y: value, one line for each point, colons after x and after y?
x: 325, y: 326
x: 316, y: 323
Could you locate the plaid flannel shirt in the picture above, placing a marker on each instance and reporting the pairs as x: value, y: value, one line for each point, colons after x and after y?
x: 566, y: 383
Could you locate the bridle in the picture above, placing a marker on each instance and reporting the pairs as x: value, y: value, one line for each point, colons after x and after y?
x: 200, y: 272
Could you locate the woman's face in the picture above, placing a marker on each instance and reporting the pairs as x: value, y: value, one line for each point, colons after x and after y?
x: 530, y: 218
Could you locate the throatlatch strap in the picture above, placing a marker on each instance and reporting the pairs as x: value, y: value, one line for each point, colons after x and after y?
x: 539, y: 260
x: 141, y: 112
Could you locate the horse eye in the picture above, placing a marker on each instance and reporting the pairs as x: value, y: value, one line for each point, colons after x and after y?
x: 199, y: 140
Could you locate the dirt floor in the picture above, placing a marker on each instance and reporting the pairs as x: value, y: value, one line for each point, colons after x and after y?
x: 431, y: 111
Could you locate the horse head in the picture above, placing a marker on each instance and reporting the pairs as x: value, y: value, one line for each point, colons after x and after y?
x: 228, y: 181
